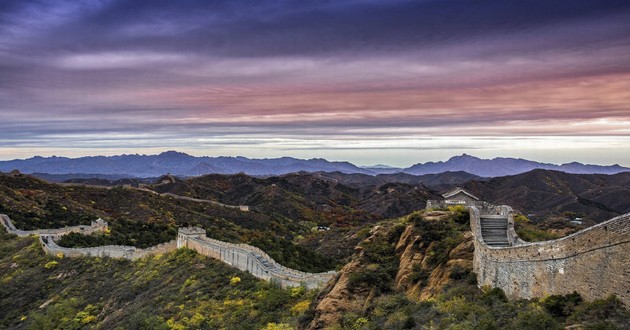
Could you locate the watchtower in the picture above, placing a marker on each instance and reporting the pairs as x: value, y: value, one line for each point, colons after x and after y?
x: 186, y: 233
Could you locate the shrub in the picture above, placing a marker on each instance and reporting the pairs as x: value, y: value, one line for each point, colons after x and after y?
x: 51, y: 264
x: 492, y: 296
x: 419, y: 275
x: 278, y: 326
x: 561, y: 306
x: 610, y: 309
x: 459, y: 273
x: 520, y: 219
x: 460, y: 214
x: 378, y: 277
x: 534, y: 318
x: 235, y: 280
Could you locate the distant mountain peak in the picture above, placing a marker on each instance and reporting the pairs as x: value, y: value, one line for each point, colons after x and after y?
x: 183, y: 164
x: 173, y: 153
x: 463, y: 156
x: 502, y: 166
x: 377, y: 166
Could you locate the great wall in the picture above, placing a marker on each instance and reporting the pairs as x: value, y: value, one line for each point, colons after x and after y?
x: 244, y: 208
x: 242, y: 256
x: 593, y: 262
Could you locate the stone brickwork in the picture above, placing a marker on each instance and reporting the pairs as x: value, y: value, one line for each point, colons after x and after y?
x: 249, y: 258
x: 98, y: 225
x: 112, y: 251
x: 242, y: 256
x: 244, y: 208
x: 593, y: 262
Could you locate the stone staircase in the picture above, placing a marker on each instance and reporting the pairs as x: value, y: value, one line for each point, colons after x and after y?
x: 264, y: 261
x: 494, y: 230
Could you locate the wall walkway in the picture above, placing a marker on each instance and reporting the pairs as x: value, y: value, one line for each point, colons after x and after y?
x: 249, y: 258
x: 95, y: 226
x: 593, y: 262
x: 243, y: 208
x: 242, y: 256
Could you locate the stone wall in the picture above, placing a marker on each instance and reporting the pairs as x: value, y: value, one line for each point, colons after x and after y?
x: 112, y: 251
x: 244, y: 208
x: 249, y: 258
x: 98, y: 225
x: 242, y: 256
x: 593, y: 262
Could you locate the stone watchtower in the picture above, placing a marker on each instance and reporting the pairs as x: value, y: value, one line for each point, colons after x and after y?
x: 459, y: 196
x: 99, y: 225
x: 186, y: 233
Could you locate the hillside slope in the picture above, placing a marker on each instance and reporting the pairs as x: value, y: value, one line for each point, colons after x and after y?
x: 316, y: 197
x: 412, y: 272
x: 416, y: 273
x: 143, y: 219
x: 595, y: 197
x: 175, y: 291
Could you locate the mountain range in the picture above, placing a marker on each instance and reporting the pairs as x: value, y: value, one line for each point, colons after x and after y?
x: 335, y: 197
x: 410, y: 268
x: 183, y: 164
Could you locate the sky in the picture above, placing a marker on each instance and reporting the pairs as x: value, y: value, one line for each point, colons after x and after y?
x: 390, y: 82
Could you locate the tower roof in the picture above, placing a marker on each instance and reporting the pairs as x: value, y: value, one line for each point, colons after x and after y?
x: 457, y: 191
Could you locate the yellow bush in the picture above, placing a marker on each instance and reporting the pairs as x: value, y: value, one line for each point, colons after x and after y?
x: 297, y: 291
x: 360, y: 323
x: 457, y: 208
x: 300, y: 307
x: 278, y: 326
x: 88, y: 319
x: 519, y: 218
x: 51, y: 264
x: 197, y: 320
x: 235, y: 280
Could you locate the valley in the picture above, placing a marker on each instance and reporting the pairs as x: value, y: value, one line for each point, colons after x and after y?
x: 379, y: 243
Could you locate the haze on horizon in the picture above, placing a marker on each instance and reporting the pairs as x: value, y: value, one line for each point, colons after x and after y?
x: 392, y: 82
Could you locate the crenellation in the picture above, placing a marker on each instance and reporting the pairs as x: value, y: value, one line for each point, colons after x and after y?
x: 242, y: 256
x: 252, y: 260
x: 592, y: 262
x: 98, y: 225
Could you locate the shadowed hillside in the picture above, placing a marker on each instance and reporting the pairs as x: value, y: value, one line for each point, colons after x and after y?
x: 143, y: 219
x: 408, y: 272
x: 595, y: 197
x: 315, y: 197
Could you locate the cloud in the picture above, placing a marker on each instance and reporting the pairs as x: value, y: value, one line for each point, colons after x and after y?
x: 117, y: 60
x: 114, y: 73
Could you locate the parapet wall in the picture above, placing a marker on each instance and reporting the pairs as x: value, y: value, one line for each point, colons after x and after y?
x: 249, y: 258
x: 593, y: 262
x: 113, y: 251
x: 244, y: 208
x: 242, y: 256
x: 95, y: 226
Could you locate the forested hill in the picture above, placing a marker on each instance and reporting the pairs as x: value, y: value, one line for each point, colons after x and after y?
x: 596, y: 197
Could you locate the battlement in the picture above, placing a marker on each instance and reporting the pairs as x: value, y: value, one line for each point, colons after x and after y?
x: 191, y: 231
x: 98, y: 225
x: 592, y: 262
x: 248, y: 258
x: 242, y: 256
